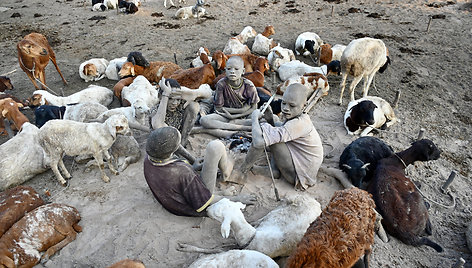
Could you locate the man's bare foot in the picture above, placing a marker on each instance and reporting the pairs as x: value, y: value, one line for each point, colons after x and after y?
x: 249, y: 199
x: 226, y: 166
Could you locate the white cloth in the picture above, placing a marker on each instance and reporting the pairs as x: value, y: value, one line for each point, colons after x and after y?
x: 304, y: 145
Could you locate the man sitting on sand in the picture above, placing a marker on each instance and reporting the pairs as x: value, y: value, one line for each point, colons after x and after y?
x: 235, y: 98
x: 294, y: 144
x: 175, y: 184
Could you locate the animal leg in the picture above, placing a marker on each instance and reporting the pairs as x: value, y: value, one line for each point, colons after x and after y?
x: 52, y: 57
x: 68, y: 237
x: 343, y: 85
x: 429, y: 228
x: 53, y: 163
x: 63, y: 168
x: 99, y: 159
x: 366, y: 86
x: 367, y: 257
x: 42, y: 78
x: 110, y: 162
x: 353, y: 85
x: 31, y: 77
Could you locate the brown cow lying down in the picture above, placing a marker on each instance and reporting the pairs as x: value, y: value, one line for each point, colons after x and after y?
x: 15, y: 203
x: 47, y: 228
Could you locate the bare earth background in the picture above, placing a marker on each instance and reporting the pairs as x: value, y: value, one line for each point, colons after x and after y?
x: 121, y: 219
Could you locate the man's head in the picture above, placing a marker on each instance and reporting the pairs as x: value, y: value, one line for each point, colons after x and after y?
x: 162, y: 142
x: 294, y: 100
x: 234, y: 68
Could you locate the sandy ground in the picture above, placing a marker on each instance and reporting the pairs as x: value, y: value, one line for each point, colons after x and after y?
x: 121, y: 219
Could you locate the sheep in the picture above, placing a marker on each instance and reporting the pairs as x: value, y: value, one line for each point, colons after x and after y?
x: 312, y: 81
x: 307, y: 43
x: 194, y: 77
x: 262, y: 44
x: 341, y: 235
x: 298, y: 68
x: 235, y: 45
x: 136, y: 113
x: 59, y: 137
x: 202, y: 57
x: 23, y: 157
x: 46, y: 228
x: 235, y: 259
x: 34, y: 53
x: 84, y: 112
x: 16, y: 202
x: 359, y: 159
x: 278, y: 56
x: 365, y: 114
x: 153, y: 73
x: 125, y: 151
x: 362, y: 58
x: 9, y: 109
x: 278, y: 232
x: 99, y: 7
x: 92, y: 93
x: 328, y: 53
x: 400, y: 203
x: 5, y: 83
x: 114, y: 67
x: 172, y: 3
x: 93, y: 69
x: 127, y: 7
x: 137, y: 58
x: 184, y: 13
x: 140, y: 89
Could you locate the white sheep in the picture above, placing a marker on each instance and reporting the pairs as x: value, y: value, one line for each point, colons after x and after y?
x: 84, y: 112
x: 114, y: 66
x: 362, y: 58
x: 235, y: 259
x: 22, y: 157
x: 184, y: 13
x: 307, y: 43
x: 297, y: 68
x: 125, y: 151
x: 172, y: 3
x: 142, y: 89
x: 136, y: 113
x: 92, y: 93
x: 93, y: 69
x: 278, y: 56
x: 99, y: 7
x: 236, y: 45
x: 66, y: 137
x: 262, y: 43
x: 365, y: 114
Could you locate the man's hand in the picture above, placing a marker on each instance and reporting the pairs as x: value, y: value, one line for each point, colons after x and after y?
x: 223, y: 112
x: 165, y: 87
x: 256, y: 114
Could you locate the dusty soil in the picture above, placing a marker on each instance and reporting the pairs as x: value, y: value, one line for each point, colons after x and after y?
x: 121, y: 219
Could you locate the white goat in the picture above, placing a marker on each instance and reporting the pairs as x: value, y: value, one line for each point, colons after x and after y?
x: 136, y: 113
x: 262, y: 43
x: 111, y: 4
x: 93, y: 69
x: 307, y: 43
x: 297, y: 68
x: 66, y: 137
x: 362, y: 58
x: 114, y: 66
x: 99, y: 7
x: 278, y: 56
x: 184, y: 13
x: 22, y: 157
x: 197, y: 62
x: 92, y: 93
x: 142, y: 89
x: 84, y: 112
x: 329, y: 53
x: 312, y: 81
x: 365, y: 114
x: 236, y: 45
x: 172, y: 3
x: 235, y: 259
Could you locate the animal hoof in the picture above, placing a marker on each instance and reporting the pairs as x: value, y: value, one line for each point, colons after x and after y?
x: 65, y: 183
x: 106, y: 179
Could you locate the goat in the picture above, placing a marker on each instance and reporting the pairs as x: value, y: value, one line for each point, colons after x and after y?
x: 46, y: 228
x: 312, y: 81
x: 236, y: 45
x: 44, y: 113
x: 9, y: 110
x: 341, y: 235
x: 328, y: 53
x: 114, y: 67
x: 127, y: 7
x: 34, y: 53
x: 298, y: 68
x: 365, y: 114
x: 118, y: 87
x: 262, y: 44
x: 136, y: 113
x: 194, y: 77
x: 235, y: 258
x: 153, y: 73
x: 248, y: 59
x: 99, y: 7
x: 307, y: 43
x: 15, y: 203
x: 59, y: 137
x: 84, y: 112
x: 25, y: 157
x: 5, y: 83
x: 362, y: 58
x: 111, y: 4
x: 278, y: 56
x: 92, y: 93
x: 401, y: 205
x: 184, y: 13
x: 202, y: 57
x: 140, y: 89
x: 172, y: 3
x: 93, y: 69
x: 359, y: 159
x: 137, y: 58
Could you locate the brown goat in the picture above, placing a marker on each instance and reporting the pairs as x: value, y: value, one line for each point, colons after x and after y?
x: 118, y: 87
x: 268, y: 31
x: 401, y: 205
x: 9, y: 110
x: 15, y: 203
x: 340, y: 235
x: 46, y: 228
x: 194, y: 77
x: 34, y: 53
x: 153, y: 73
x: 5, y: 83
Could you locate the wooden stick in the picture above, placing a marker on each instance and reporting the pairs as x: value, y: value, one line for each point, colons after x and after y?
x: 420, y: 134
x: 429, y: 23
x: 332, y: 10
x: 10, y: 72
x: 449, y: 180
x: 397, y: 99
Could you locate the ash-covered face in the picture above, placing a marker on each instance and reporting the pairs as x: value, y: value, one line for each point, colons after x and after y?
x: 293, y: 101
x: 234, y: 69
x: 173, y: 103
